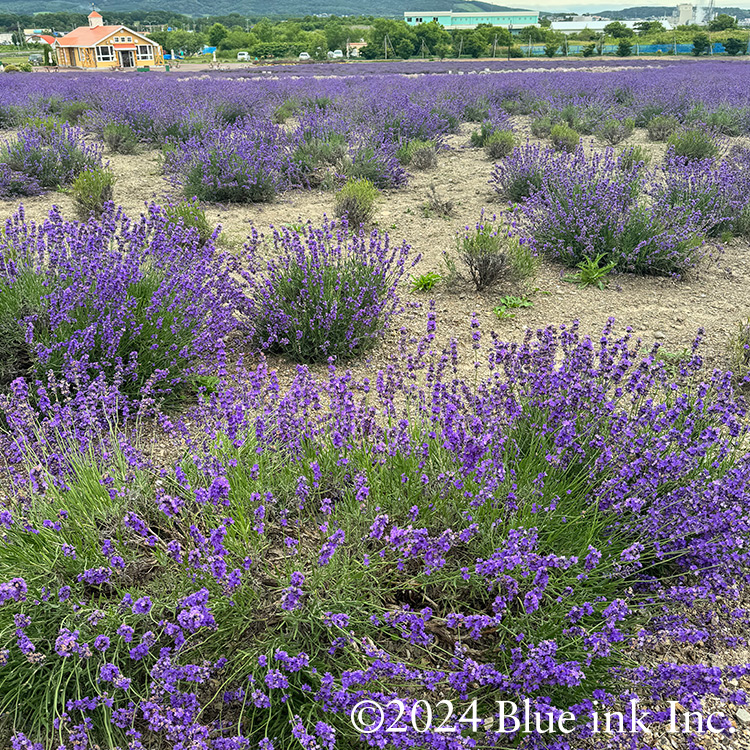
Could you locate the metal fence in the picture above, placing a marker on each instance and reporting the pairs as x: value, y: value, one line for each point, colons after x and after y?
x: 576, y: 48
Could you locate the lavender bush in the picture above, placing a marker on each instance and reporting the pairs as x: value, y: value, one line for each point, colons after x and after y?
x: 591, y: 206
x: 518, y: 535
x: 138, y: 301
x: 248, y: 163
x: 522, y: 173
x: 328, y: 292
x: 49, y: 154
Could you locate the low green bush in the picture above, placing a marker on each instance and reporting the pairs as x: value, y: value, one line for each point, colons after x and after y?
x: 693, y: 144
x: 120, y: 138
x: 91, y: 190
x: 660, y: 127
x: 564, y: 138
x: 500, y: 144
x: 356, y: 201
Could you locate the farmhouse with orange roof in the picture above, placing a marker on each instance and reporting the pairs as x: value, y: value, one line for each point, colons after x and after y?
x: 99, y: 46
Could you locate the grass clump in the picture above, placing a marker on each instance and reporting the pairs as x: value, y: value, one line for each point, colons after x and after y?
x: 421, y: 155
x: 633, y: 158
x: 739, y: 351
x: 541, y: 127
x: 356, y: 202
x: 91, y: 191
x: 693, y: 144
x: 190, y: 215
x: 661, y: 127
x: 285, y: 110
x: 120, y: 138
x: 480, y: 137
x: 614, y: 131
x: 500, y: 144
x: 564, y: 138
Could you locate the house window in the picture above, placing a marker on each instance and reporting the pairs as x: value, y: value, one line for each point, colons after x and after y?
x: 145, y: 52
x: 130, y: 38
x: 409, y: 19
x: 434, y: 18
x: 105, y: 54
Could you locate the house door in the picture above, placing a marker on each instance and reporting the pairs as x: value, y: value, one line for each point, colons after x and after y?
x: 127, y: 58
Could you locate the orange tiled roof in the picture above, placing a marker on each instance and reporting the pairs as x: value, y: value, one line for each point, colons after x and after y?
x: 84, y: 36
x: 47, y: 38
x: 94, y: 14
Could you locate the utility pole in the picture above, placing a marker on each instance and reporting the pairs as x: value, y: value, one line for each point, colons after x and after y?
x: 460, y: 47
x: 494, y: 46
x: 674, y: 37
x: 510, y: 38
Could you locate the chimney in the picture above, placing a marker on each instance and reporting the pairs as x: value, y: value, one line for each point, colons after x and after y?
x: 95, y: 20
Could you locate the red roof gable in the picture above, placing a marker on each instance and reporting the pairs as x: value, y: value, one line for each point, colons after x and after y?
x: 83, y: 36
x: 47, y: 38
x: 94, y: 14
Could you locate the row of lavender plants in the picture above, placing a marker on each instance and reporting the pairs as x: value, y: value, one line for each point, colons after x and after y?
x: 230, y: 138
x: 517, y: 535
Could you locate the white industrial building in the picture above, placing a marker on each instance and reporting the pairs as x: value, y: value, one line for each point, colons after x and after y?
x: 577, y: 26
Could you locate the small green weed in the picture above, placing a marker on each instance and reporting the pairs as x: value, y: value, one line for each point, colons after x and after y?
x: 510, y: 302
x: 591, y: 273
x: 426, y: 282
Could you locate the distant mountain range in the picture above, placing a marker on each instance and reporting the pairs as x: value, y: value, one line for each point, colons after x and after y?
x: 388, y: 8
x: 391, y: 8
x: 659, y: 11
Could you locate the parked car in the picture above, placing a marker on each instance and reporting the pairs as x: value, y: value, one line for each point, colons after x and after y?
x: 243, y: 56
x: 304, y: 56
x: 337, y: 54
x: 36, y: 59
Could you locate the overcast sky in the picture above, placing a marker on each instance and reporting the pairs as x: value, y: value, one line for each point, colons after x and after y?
x: 583, y: 6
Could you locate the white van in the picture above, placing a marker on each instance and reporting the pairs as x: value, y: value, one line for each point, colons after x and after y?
x: 304, y: 56
x: 243, y: 56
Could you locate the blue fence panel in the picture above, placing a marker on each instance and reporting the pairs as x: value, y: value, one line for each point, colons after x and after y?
x: 575, y: 48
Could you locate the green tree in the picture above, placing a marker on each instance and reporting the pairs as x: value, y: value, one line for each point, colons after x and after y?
x: 734, y: 46
x: 545, y: 23
x: 531, y: 34
x: 624, y: 48
x: 701, y: 43
x: 239, y: 40
x: 336, y: 34
x: 722, y: 22
x: 405, y: 48
x: 434, y: 37
x: 618, y: 30
x: 649, y: 28
x: 585, y: 35
x: 395, y: 31
x: 553, y: 44
x: 216, y: 34
x: 264, y: 30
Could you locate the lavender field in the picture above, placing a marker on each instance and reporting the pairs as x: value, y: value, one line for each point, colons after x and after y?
x: 358, y: 406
